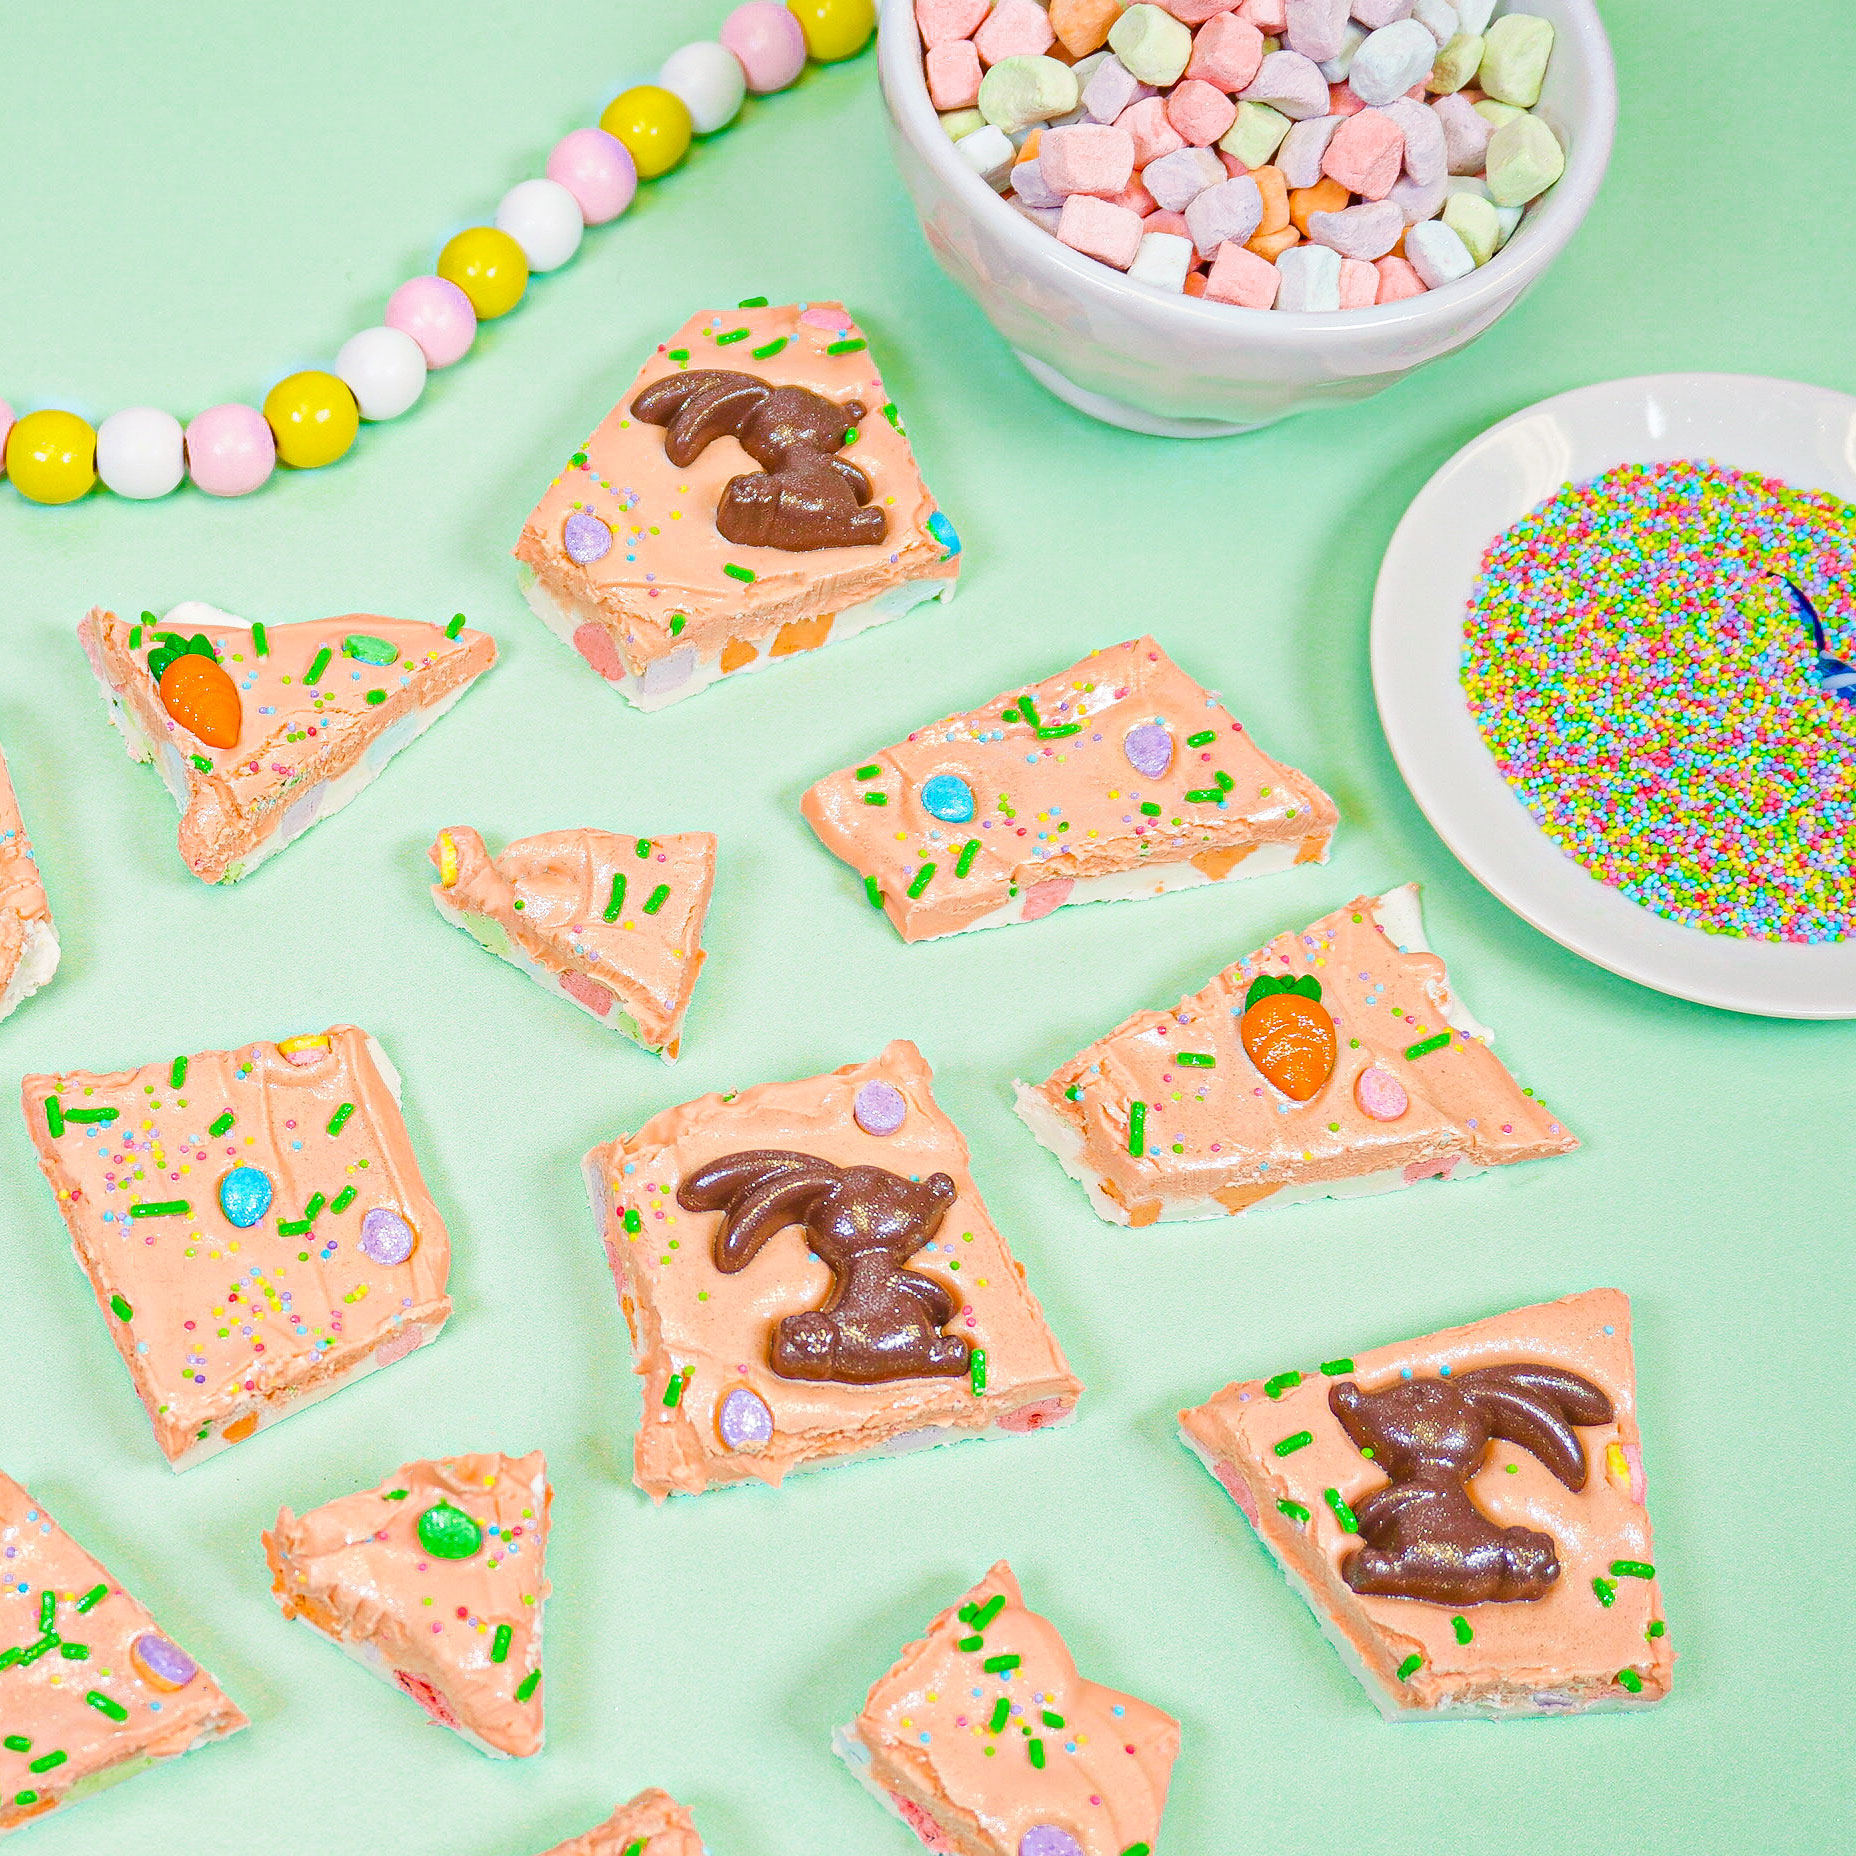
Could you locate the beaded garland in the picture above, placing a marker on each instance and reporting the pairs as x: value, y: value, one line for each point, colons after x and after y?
x: 312, y: 418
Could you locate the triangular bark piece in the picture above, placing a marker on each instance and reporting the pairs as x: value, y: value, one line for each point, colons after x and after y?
x: 653, y: 1824
x: 28, y: 941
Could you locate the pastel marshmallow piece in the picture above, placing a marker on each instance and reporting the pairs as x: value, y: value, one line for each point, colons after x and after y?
x: 1466, y: 135
x: 962, y: 122
x: 1113, y: 89
x: 1173, y: 223
x: 1525, y: 159
x: 1176, y: 180
x: 1164, y: 260
x: 1268, y: 16
x: 1496, y: 115
x: 1086, y: 68
x: 1274, y: 191
x: 1437, y: 254
x: 1303, y: 147
x: 1256, y: 135
x: 1397, y: 280
x: 1226, y: 51
x: 1200, y: 112
x: 1474, y: 15
x: 1045, y: 218
x: 1082, y: 26
x: 1088, y: 158
x: 1508, y: 217
x: 1335, y: 69
x: 1366, y: 155
x: 1241, y: 277
x: 1135, y: 198
x: 1438, y: 17
x: 1315, y: 28
x: 1198, y: 12
x: 1269, y: 246
x: 1154, y: 45
x: 1372, y: 14
x: 988, y: 152
x: 1291, y: 84
x: 1366, y: 231
x: 1342, y: 101
x: 1014, y: 29
x: 1426, y: 157
x: 1418, y: 200
x: 1393, y: 59
x: 1153, y: 135
x: 1100, y: 229
x: 1473, y: 220
x: 1456, y: 64
x: 1359, y: 284
x: 1514, y: 59
x: 1228, y: 213
x: 953, y: 75
x: 941, y: 22
x: 1018, y: 92
x: 1308, y: 277
x: 1030, y: 188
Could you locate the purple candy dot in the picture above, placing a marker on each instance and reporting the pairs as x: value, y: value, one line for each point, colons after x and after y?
x: 386, y: 1236
x: 1048, y: 1840
x: 879, y: 1108
x: 745, y: 1422
x: 165, y: 1662
x: 585, y: 537
x: 1149, y: 749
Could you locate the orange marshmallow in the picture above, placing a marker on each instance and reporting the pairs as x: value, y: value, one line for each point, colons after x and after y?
x: 1274, y: 186
x: 1082, y: 26
x: 1271, y: 245
x: 1327, y: 195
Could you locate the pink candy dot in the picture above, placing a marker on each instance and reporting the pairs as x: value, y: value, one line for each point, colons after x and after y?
x: 768, y: 41
x: 230, y: 450
x: 598, y: 170
x: 437, y: 315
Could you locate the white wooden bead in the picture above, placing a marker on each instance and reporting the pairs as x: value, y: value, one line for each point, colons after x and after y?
x: 384, y: 369
x: 140, y: 452
x: 544, y: 219
x: 709, y: 79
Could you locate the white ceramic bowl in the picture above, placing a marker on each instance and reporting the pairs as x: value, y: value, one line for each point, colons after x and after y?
x: 1180, y: 367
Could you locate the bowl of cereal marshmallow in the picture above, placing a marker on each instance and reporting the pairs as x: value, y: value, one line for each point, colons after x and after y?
x: 1199, y: 217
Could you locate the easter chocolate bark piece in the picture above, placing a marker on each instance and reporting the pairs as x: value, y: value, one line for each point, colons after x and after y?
x: 436, y: 1582
x: 1464, y: 1513
x: 91, y: 1691
x: 753, y: 495
x: 1330, y: 1063
x: 611, y: 923
x: 28, y: 941
x: 260, y: 731
x: 653, y: 1824
x: 809, y: 1273
x: 1117, y: 778
x: 986, y: 1741
x: 253, y: 1225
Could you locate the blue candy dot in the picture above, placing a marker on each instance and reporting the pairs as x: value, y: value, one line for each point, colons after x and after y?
x: 943, y: 532
x: 244, y: 1196
x: 948, y: 797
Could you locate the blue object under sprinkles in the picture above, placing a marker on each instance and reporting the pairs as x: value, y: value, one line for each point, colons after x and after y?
x: 948, y: 797
x: 943, y: 532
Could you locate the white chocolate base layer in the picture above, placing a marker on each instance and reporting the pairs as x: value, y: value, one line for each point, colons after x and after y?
x: 848, y: 1744
x: 683, y: 672
x: 38, y: 961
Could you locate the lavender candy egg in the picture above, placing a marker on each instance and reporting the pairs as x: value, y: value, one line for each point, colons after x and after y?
x: 744, y: 1422
x: 585, y: 537
x: 387, y: 1237
x: 1149, y: 749
x: 1048, y: 1840
x: 879, y: 1108
x: 161, y: 1664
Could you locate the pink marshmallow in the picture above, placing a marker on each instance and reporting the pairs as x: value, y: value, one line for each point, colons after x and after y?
x: 1112, y: 88
x: 1372, y: 14
x: 1342, y: 101
x: 953, y: 75
x: 1229, y: 212
x: 1134, y: 197
x: 1316, y: 28
x: 1288, y: 82
x: 1176, y: 180
x: 1368, y: 231
x: 1359, y: 284
x: 1241, y: 277
x: 1101, y: 230
x: 1174, y: 223
x: 1086, y: 157
x: 1200, y: 111
x: 1232, y: 165
x: 1196, y: 12
x: 1014, y: 29
x: 1153, y: 135
x: 1226, y: 51
x: 1265, y: 15
x: 1466, y: 135
x: 1426, y: 154
x: 1397, y: 280
x: 1366, y: 154
x: 943, y: 21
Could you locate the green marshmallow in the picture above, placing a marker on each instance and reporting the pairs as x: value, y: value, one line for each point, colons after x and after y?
x: 1018, y: 92
x: 1496, y: 115
x: 1456, y: 64
x: 1476, y: 223
x: 1525, y: 159
x: 1154, y: 46
x: 1514, y: 59
x: 1256, y: 135
x: 962, y: 122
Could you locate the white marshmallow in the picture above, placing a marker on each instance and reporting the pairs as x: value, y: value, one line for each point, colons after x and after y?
x: 1438, y: 18
x: 1163, y: 261
x: 988, y: 152
x: 1474, y: 15
x: 1372, y: 14
x: 1310, y: 277
x: 1437, y: 254
x: 1391, y: 61
x: 1335, y: 69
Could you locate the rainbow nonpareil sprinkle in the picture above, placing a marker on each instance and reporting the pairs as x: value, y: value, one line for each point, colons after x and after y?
x: 1652, y: 691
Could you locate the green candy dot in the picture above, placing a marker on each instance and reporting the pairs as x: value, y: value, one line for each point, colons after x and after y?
x: 448, y: 1533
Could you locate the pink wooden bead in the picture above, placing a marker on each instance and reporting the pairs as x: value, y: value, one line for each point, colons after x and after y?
x: 940, y: 22
x: 1397, y: 280
x: 1200, y: 112
x: 1086, y: 157
x: 598, y: 170
x: 1153, y: 135
x: 230, y: 450
x: 1227, y: 52
x: 1099, y: 229
x: 437, y: 315
x: 953, y: 75
x: 1241, y: 277
x: 1014, y: 29
x: 6, y: 425
x: 1366, y: 154
x: 769, y: 43
x: 1359, y: 284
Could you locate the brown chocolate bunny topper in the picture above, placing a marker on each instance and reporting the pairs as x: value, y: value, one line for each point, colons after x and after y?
x: 881, y: 1321
x: 1424, y: 1537
x: 804, y: 495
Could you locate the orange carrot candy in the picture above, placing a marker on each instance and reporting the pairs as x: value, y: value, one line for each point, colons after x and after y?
x: 195, y: 688
x: 1288, y: 1034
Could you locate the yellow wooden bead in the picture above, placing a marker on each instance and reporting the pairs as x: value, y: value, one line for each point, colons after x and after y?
x: 834, y: 29
x: 313, y: 417
x: 654, y: 124
x: 51, y: 457
x: 488, y: 266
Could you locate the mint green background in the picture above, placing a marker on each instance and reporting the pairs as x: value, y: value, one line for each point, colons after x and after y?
x: 198, y: 199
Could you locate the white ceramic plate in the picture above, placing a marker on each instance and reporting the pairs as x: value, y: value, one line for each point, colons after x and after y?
x: 1806, y: 435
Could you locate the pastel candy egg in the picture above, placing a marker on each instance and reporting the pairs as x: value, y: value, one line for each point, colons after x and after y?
x: 448, y: 1533
x: 387, y: 1237
x: 1149, y: 749
x: 948, y: 797
x: 879, y: 1108
x: 585, y: 537
x: 744, y: 1422
x: 1048, y: 1840
x: 1380, y: 1094
x: 245, y: 1196
x: 161, y: 1664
